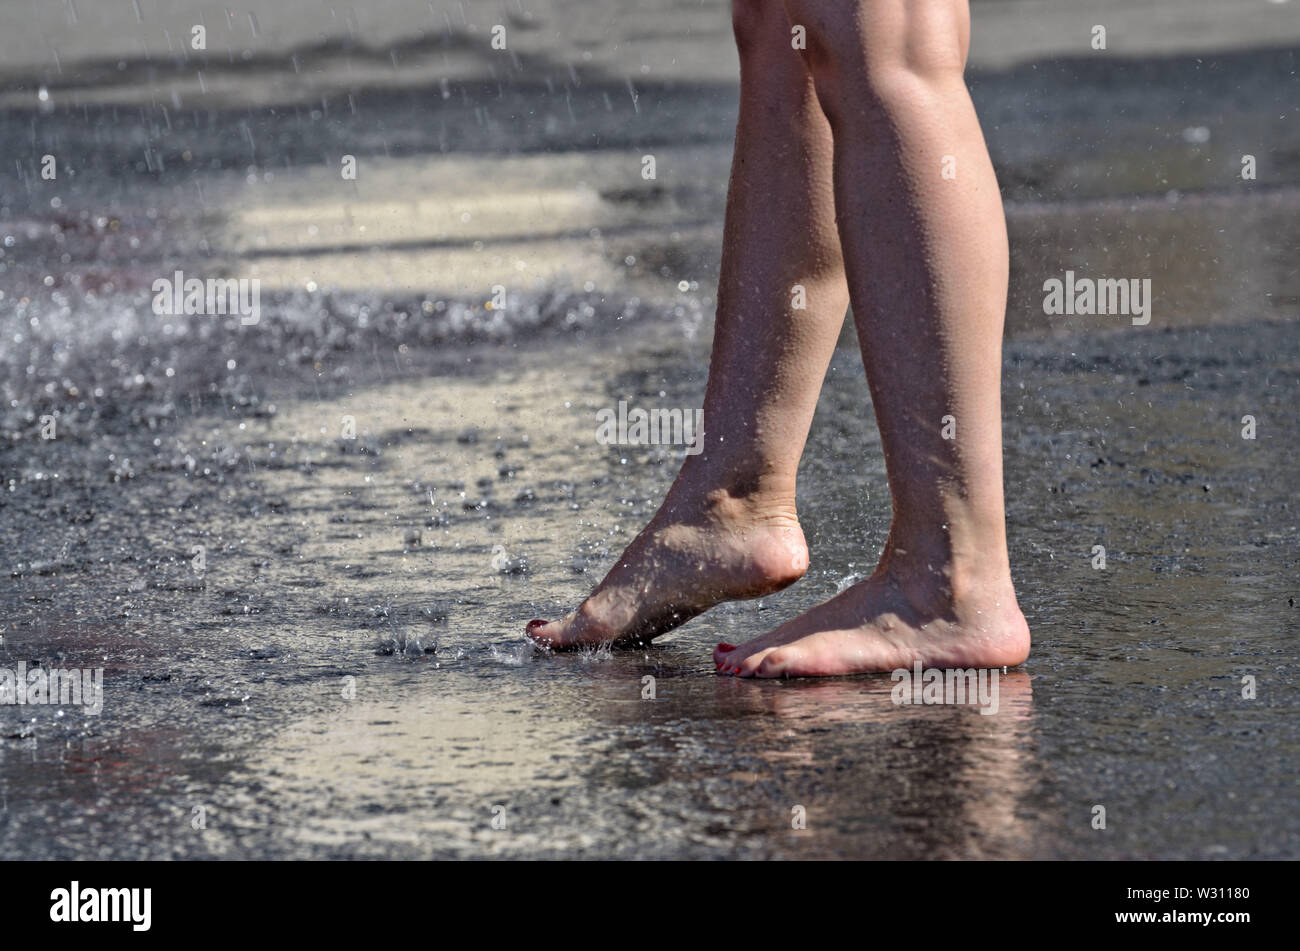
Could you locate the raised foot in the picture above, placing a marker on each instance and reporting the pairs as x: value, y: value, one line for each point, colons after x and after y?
x: 876, y: 626
x: 680, y: 566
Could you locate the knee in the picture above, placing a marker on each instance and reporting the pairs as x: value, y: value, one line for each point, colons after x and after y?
x: 876, y: 45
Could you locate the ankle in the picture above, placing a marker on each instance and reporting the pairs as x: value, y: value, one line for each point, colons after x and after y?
x: 721, y: 508
x: 946, y: 567
x: 733, y: 493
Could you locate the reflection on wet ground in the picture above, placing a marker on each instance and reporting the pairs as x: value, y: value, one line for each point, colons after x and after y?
x: 398, y: 568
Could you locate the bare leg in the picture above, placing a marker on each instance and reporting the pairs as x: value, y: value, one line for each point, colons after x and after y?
x: 728, y: 528
x: 926, y: 256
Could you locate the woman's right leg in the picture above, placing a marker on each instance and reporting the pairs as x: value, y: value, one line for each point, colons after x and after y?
x: 728, y: 528
x: 925, y: 246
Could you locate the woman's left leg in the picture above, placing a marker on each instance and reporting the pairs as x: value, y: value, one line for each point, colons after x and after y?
x: 728, y: 527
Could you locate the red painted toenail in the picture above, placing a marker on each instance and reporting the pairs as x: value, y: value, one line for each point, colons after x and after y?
x: 536, y: 623
x: 727, y: 647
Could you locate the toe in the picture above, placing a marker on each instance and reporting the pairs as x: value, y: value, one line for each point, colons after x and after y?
x: 775, y: 663
x: 728, y: 662
x: 541, y: 632
x: 720, y: 653
x: 749, y: 666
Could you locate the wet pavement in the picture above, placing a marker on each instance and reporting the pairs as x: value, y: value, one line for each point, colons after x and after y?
x: 398, y: 568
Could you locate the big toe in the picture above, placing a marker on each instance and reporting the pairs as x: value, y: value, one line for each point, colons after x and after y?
x: 575, y: 629
x: 546, y: 633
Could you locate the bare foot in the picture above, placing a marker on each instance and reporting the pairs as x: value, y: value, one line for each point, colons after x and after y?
x: 886, y: 623
x: 690, y: 557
